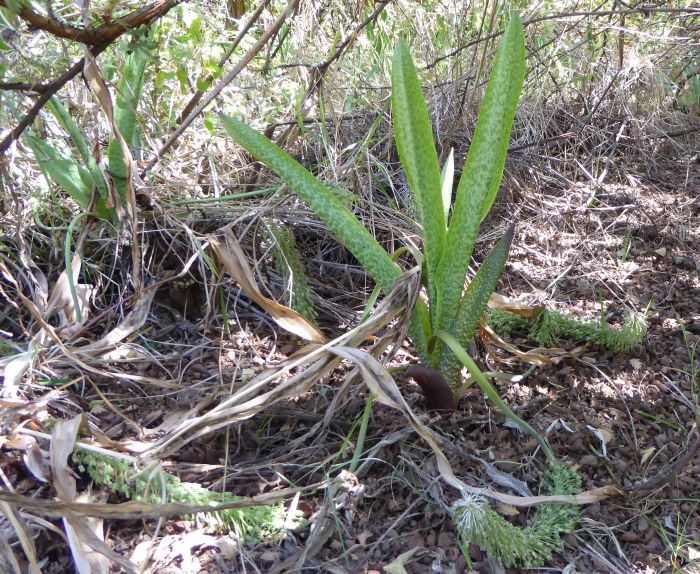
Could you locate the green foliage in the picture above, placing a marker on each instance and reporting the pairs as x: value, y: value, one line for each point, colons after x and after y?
x: 529, y: 547
x: 128, y: 97
x: 288, y: 265
x: 481, y: 176
x: 549, y: 327
x: 156, y: 486
x: 321, y: 200
x: 78, y: 177
x: 64, y: 171
x: 449, y: 321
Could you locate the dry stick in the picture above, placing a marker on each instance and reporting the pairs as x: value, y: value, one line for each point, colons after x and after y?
x: 108, y: 33
x: 463, y: 104
x: 227, y: 79
x: 600, y: 13
x: 210, y: 78
x: 103, y: 34
x: 319, y: 71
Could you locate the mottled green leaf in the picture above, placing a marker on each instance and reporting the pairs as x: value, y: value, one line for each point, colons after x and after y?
x: 483, y: 169
x: 129, y: 91
x: 320, y: 199
x: 414, y: 142
x: 474, y: 303
x: 63, y: 171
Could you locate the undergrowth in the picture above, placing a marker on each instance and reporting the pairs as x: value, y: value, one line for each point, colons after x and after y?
x: 549, y: 327
x: 155, y: 486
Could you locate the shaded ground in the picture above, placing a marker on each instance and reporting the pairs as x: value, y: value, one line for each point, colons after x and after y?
x: 577, y: 249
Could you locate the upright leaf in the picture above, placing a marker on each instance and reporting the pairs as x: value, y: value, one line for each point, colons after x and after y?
x: 65, y: 172
x: 474, y: 303
x: 68, y: 123
x: 483, y: 168
x: 414, y: 142
x: 129, y: 91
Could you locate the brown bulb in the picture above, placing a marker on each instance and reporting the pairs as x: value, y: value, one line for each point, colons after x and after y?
x: 438, y: 394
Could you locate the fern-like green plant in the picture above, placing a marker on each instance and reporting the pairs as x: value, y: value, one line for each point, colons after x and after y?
x: 528, y: 547
x: 288, y: 265
x: 156, y: 486
x: 549, y: 327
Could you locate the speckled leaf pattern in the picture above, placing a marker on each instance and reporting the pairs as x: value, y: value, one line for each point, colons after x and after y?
x: 416, y: 147
x: 321, y: 200
x: 483, y: 169
x: 128, y: 96
x: 474, y: 303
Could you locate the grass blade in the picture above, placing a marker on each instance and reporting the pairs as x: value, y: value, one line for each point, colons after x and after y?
x: 416, y: 147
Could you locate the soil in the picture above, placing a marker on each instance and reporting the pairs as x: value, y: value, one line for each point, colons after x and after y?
x: 628, y: 420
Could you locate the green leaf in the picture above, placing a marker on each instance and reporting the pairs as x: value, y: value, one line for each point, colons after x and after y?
x: 483, y: 169
x: 63, y: 171
x: 333, y: 213
x: 447, y: 176
x: 481, y: 287
x: 490, y: 392
x: 96, y: 176
x: 414, y: 142
x: 128, y: 96
x: 320, y: 199
x: 474, y: 303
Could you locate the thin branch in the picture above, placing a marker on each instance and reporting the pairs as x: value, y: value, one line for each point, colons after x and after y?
x: 227, y: 79
x: 103, y: 34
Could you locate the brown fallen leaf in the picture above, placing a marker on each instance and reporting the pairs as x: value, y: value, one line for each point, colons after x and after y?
x: 229, y: 255
x: 498, y: 301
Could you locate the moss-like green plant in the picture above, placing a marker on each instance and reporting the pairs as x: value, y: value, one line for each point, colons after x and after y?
x: 157, y: 486
x: 549, y: 327
x: 531, y: 546
x: 288, y: 265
